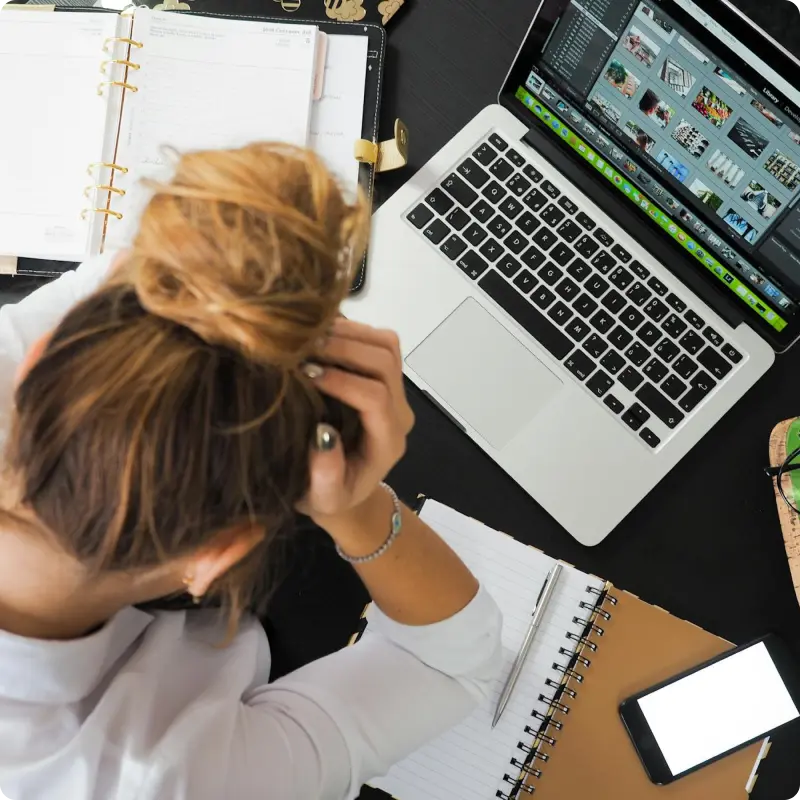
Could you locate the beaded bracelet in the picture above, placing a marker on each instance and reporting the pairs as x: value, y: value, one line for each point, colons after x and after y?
x: 396, y: 525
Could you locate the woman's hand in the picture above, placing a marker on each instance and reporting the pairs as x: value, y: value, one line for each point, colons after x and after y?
x: 363, y: 369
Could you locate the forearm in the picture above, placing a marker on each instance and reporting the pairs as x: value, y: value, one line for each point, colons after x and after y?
x: 419, y: 580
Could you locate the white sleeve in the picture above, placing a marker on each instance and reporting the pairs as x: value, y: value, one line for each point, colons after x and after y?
x: 332, y: 725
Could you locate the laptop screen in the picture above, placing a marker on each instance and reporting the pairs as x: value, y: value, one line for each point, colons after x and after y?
x: 687, y: 123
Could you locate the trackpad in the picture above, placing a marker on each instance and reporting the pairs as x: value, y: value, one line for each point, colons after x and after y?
x: 488, y: 377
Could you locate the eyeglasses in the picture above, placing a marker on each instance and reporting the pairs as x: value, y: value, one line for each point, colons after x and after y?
x: 790, y: 464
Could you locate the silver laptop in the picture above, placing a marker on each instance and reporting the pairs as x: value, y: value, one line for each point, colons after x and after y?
x: 594, y: 270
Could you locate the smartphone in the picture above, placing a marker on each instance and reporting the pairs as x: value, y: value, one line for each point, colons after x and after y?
x: 702, y: 715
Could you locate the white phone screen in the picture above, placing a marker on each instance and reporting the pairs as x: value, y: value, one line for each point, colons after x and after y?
x: 718, y: 708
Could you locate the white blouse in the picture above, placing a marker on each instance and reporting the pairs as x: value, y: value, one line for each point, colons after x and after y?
x: 148, y: 707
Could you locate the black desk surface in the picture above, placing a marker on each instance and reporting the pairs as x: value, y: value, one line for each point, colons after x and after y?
x: 705, y: 544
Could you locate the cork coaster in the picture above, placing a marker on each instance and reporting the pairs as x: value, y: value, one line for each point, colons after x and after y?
x: 784, y: 438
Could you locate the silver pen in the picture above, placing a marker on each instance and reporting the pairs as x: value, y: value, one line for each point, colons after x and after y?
x: 546, y: 593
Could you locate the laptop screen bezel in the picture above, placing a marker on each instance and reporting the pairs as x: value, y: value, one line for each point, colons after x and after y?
x: 680, y: 262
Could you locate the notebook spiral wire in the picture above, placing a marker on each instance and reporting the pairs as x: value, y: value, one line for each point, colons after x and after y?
x: 545, y: 733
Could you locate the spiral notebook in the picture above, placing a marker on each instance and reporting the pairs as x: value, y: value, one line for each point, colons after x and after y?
x: 561, y: 737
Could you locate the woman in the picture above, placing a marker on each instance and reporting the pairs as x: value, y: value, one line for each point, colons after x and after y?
x: 164, y: 430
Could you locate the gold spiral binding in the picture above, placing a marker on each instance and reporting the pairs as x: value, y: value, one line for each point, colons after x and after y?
x: 103, y: 188
x: 122, y: 61
x: 130, y: 42
x: 121, y: 84
x: 107, y: 211
x: 107, y: 165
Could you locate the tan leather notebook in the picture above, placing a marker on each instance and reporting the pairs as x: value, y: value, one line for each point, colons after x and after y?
x: 561, y: 737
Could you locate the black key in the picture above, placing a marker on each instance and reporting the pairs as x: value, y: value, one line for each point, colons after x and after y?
x: 603, y: 237
x: 613, y: 301
x: 535, y: 200
x: 658, y: 287
x: 453, y: 247
x: 638, y: 269
x: 604, y: 262
x: 561, y: 254
x: 458, y: 218
x: 586, y: 247
x: 499, y: 226
x: 675, y: 301
x: 621, y: 253
x: 518, y: 185
x: 501, y: 169
x: 630, y: 378
x: 569, y: 231
x: 585, y: 221
x: 659, y: 405
x: 567, y: 204
x: 439, y: 201
x: 673, y: 387
x: 731, y: 353
x: 494, y: 192
x: 475, y: 234
x: 526, y: 281
x: 613, y: 403
x: 537, y: 325
x: 491, y: 250
x: 485, y: 154
x: 472, y: 265
x: 560, y: 313
x: 482, y: 211
x: 692, y: 398
x: 714, y: 363
x: 655, y: 370
x: 545, y: 238
x: 613, y: 361
x: 510, y: 207
x: 527, y: 223
x: 568, y: 289
x: 603, y: 321
x: 694, y: 320
x: 631, y: 318
x: 543, y: 297
x: 436, y: 231
x: 685, y: 367
x: 656, y: 310
x: 713, y: 337
x: 621, y: 278
x: 577, y: 329
x: 595, y: 346
x: 420, y: 216
x: 595, y: 286
x: 691, y: 342
x: 508, y: 266
x: 579, y: 269
x: 532, y: 173
x: 649, y: 437
x: 648, y: 333
x: 666, y: 350
x: 637, y: 354
x: 580, y: 365
x: 584, y: 305
x: 674, y: 326
x: 515, y: 158
x: 620, y: 338
x: 638, y: 294
x: 635, y: 417
x: 552, y: 215
x: 599, y: 383
x: 533, y: 257
x: 702, y: 382
x: 550, y: 189
x: 550, y: 274
x: 498, y: 142
x: 473, y: 174
x: 459, y: 190
x: 515, y: 242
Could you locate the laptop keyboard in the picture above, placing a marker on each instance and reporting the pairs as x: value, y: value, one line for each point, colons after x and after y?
x: 634, y: 344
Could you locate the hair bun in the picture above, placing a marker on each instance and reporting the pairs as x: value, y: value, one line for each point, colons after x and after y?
x: 250, y: 249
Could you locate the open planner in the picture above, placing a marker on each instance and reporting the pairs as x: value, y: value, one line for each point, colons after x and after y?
x: 98, y: 101
x: 561, y: 737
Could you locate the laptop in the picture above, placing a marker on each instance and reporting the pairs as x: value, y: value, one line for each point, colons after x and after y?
x: 595, y: 269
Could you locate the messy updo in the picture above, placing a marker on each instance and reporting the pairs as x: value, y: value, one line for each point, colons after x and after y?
x: 170, y: 404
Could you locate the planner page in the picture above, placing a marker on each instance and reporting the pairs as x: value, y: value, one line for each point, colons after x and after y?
x: 469, y: 762
x: 53, y: 128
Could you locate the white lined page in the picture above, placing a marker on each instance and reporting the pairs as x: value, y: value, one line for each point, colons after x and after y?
x: 468, y: 762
